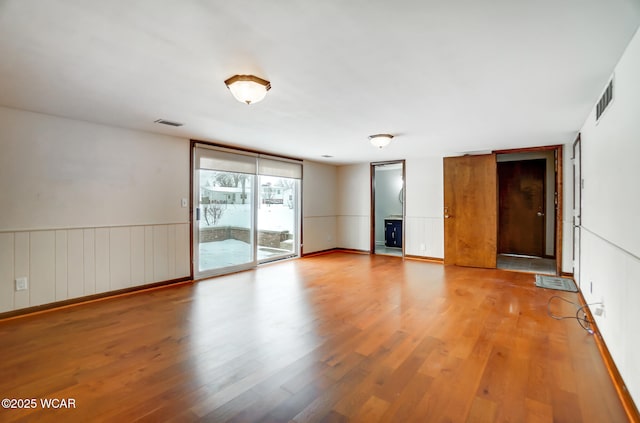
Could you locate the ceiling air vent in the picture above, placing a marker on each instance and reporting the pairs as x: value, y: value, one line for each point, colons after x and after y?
x: 604, y: 101
x: 168, y: 122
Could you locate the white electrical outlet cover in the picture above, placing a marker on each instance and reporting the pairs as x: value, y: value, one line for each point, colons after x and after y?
x: 22, y: 284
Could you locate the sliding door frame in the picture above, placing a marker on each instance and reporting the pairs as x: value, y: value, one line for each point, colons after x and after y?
x: 194, y: 194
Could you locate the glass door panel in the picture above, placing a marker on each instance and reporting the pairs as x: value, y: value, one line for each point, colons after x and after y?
x: 224, y: 222
x: 277, y: 217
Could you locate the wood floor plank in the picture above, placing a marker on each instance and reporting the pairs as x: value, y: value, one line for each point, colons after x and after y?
x: 402, y: 408
x: 372, y: 410
x: 483, y: 410
x: 332, y: 338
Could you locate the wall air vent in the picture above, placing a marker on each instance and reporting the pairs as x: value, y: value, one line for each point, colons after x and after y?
x: 604, y: 101
x: 168, y: 122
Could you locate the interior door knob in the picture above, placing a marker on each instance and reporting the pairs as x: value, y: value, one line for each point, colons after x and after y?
x: 540, y: 214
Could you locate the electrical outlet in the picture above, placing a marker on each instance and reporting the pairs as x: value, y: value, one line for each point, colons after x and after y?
x: 599, y: 311
x: 22, y: 284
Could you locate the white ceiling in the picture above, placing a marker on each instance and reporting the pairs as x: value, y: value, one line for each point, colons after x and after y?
x: 444, y: 76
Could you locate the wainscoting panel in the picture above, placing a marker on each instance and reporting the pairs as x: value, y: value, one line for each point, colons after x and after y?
x: 78, y: 256
x: 160, y: 252
x: 21, y: 268
x: 89, y: 260
x: 102, y: 260
x: 148, y: 254
x: 171, y: 251
x: 137, y: 255
x: 424, y: 236
x: 609, y: 275
x: 42, y: 267
x: 319, y: 233
x: 354, y: 232
x: 120, y: 258
x: 182, y: 250
x: 63, y: 264
x: 6, y: 271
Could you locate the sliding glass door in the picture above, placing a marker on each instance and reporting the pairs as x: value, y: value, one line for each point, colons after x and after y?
x: 246, y: 209
x: 225, y: 221
x: 277, y: 217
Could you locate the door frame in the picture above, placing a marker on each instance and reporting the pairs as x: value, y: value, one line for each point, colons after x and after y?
x: 194, y: 192
x: 372, y: 213
x: 577, y: 207
x: 558, y: 152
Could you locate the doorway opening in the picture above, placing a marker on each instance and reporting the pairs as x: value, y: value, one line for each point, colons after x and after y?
x: 387, y: 208
x: 471, y: 211
x: 527, y: 203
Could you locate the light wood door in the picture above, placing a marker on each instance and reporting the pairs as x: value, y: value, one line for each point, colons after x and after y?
x: 470, y: 211
x: 521, y: 207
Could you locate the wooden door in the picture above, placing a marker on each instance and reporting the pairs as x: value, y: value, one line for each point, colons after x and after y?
x: 470, y: 211
x: 521, y: 208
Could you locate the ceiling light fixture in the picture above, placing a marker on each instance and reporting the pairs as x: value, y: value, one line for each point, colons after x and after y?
x: 380, y: 140
x: 248, y: 88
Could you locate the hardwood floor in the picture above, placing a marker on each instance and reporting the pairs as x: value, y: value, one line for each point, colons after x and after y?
x: 333, y: 338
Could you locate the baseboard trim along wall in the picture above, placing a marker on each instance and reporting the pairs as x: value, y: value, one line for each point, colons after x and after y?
x: 424, y: 258
x: 623, y: 393
x: 29, y: 311
x: 336, y: 250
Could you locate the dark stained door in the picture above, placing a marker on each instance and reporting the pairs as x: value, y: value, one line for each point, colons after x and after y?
x: 470, y: 211
x: 521, y: 219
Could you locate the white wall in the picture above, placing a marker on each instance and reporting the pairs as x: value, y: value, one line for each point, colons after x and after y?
x: 319, y: 207
x: 88, y: 208
x: 424, y: 229
x: 354, y: 207
x: 423, y: 226
x: 59, y: 173
x: 610, y: 233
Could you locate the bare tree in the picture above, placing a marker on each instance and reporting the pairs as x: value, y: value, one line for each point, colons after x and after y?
x: 224, y: 179
x: 213, y: 211
x: 241, y: 178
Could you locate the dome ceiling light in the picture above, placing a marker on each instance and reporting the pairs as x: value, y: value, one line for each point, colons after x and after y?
x: 248, y: 88
x: 380, y: 140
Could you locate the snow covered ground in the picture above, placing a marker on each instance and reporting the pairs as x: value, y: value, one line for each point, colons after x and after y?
x: 231, y: 252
